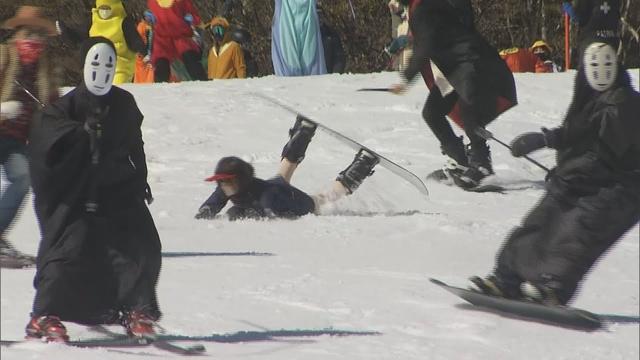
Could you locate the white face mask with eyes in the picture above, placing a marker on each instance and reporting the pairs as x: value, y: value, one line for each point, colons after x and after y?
x: 99, y: 69
x: 600, y: 66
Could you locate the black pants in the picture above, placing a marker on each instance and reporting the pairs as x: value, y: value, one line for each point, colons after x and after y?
x: 562, y: 237
x: 475, y: 113
x: 191, y: 60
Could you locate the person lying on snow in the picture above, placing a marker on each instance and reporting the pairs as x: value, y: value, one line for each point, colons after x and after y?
x: 277, y: 198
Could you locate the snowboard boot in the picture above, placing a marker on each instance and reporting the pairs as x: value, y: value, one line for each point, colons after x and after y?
x: 495, y: 286
x: 539, y: 294
x: 48, y: 328
x: 299, y: 138
x: 456, y: 151
x: 139, y: 324
x: 12, y: 258
x: 360, y: 168
x: 479, y: 166
x: 456, y: 164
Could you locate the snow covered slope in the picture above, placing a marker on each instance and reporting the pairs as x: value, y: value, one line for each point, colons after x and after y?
x: 361, y: 266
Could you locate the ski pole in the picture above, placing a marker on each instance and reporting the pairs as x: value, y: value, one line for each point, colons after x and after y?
x: 374, y: 89
x: 29, y: 93
x: 487, y: 135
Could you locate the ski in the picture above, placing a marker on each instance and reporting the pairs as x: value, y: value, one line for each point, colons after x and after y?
x: 122, y: 342
x: 155, y: 342
x: 565, y: 316
x: 398, y: 170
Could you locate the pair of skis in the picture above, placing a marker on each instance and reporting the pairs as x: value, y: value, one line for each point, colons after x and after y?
x: 120, y: 341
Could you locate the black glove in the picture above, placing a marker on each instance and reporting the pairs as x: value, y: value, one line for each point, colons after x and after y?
x: 94, y: 119
x: 525, y: 143
x: 205, y: 213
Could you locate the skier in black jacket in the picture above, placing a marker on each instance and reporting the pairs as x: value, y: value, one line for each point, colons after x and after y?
x: 467, y: 80
x: 277, y: 198
x: 99, y: 256
x: 593, y: 195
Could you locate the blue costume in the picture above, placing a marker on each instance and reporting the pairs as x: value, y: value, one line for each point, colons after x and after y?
x: 296, y: 42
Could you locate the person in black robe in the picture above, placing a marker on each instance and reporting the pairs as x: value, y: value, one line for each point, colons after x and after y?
x: 467, y: 80
x: 593, y: 194
x: 99, y: 256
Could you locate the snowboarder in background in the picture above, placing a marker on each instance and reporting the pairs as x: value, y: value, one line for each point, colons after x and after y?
x: 173, y: 39
x: 467, y: 80
x: 593, y: 195
x: 296, y: 41
x: 110, y: 20
x: 226, y: 60
x: 276, y: 198
x: 99, y: 256
x: 26, y: 70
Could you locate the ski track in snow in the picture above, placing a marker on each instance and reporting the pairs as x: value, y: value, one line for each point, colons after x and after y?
x: 363, y: 265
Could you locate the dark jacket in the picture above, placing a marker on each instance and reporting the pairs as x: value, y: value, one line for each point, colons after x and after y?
x: 599, y: 141
x: 263, y: 198
x: 443, y: 32
x: 92, y: 265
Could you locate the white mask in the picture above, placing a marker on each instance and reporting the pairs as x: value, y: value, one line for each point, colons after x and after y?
x: 600, y: 66
x: 104, y: 13
x: 99, y: 69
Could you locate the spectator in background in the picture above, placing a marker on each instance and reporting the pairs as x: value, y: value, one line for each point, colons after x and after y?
x: 225, y: 60
x: 542, y: 51
x: 535, y: 59
x: 144, y: 68
x: 243, y: 37
x: 334, y: 56
x: 110, y: 20
x: 26, y: 70
x: 296, y: 41
x: 173, y: 39
x: 399, y: 48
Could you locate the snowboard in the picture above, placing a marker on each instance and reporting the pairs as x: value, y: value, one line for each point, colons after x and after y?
x: 398, y: 170
x: 440, y: 176
x: 557, y: 315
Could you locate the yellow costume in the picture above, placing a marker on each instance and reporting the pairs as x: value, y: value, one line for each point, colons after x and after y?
x: 111, y: 28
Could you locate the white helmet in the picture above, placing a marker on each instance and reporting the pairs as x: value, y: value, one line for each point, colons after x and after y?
x: 99, y: 68
x: 600, y: 66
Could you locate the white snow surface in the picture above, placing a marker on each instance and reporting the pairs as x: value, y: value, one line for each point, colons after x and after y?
x: 361, y: 266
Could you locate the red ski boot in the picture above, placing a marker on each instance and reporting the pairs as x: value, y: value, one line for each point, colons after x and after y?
x: 139, y: 324
x: 48, y: 328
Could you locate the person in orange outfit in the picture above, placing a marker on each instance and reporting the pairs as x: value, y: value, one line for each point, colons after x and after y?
x: 226, y: 60
x: 542, y: 51
x: 144, y: 68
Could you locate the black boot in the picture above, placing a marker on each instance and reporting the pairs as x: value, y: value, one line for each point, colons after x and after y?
x: 479, y: 166
x: 299, y: 138
x: 456, y: 151
x: 360, y: 168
